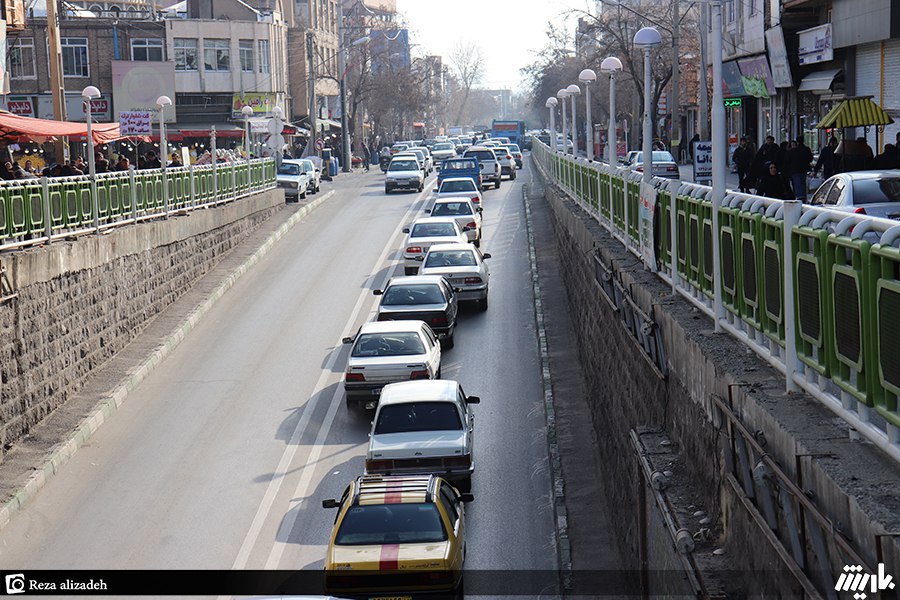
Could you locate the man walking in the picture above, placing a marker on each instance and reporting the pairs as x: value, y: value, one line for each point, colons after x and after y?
x: 799, y: 158
x: 743, y: 160
x: 366, y: 156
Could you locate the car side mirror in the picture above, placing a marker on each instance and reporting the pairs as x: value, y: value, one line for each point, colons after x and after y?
x: 330, y: 503
x: 419, y: 259
x: 347, y: 340
x: 486, y: 255
x: 466, y: 498
x: 466, y: 228
x: 479, y: 209
x: 377, y: 292
x: 406, y: 230
x: 428, y: 210
x: 473, y: 400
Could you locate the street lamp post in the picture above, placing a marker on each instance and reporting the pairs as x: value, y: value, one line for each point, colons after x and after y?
x: 562, y: 95
x: 719, y: 166
x: 87, y: 94
x: 161, y: 103
x: 610, y: 66
x: 574, y: 90
x: 587, y: 77
x: 551, y: 104
x: 247, y: 111
x: 647, y: 38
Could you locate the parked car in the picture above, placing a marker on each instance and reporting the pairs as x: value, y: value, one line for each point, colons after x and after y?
x: 313, y: 172
x: 466, y: 213
x: 292, y: 178
x: 425, y: 298
x: 404, y: 173
x: 629, y: 158
x: 425, y: 232
x: 424, y: 427
x: 459, y: 186
x: 874, y: 193
x: 664, y: 164
x: 464, y: 267
x: 414, y: 525
x: 506, y: 160
x: 461, y: 167
x: 490, y: 166
x: 387, y: 352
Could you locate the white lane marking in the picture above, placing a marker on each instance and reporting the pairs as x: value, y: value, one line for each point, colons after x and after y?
x: 287, y: 457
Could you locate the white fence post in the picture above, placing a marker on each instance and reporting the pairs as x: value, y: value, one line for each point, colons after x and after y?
x: 792, y: 211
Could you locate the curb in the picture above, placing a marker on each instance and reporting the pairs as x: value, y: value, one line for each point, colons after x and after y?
x: 563, y: 544
x: 107, y: 406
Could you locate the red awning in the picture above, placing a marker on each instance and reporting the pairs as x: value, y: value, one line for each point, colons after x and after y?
x: 16, y: 128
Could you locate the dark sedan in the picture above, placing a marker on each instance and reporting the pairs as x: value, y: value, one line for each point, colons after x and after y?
x: 426, y: 298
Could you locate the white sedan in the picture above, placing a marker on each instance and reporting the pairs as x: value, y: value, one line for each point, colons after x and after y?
x: 874, y: 193
x: 424, y: 427
x: 461, y: 208
x: 464, y: 267
x: 385, y: 352
x: 426, y: 232
x: 459, y: 186
x: 293, y: 179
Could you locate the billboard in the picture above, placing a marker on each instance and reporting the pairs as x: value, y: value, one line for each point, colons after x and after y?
x: 137, y: 84
x: 262, y: 104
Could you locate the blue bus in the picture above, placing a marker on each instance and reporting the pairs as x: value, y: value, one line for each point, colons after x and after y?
x: 514, y: 130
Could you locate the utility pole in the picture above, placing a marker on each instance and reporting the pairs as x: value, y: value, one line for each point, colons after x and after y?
x: 676, y: 92
x: 347, y: 157
x: 311, y: 90
x: 57, y: 88
x: 704, y: 64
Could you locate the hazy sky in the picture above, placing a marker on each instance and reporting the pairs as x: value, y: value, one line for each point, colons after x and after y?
x: 508, y: 32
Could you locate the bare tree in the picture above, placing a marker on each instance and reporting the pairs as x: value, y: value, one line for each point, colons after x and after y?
x: 468, y: 64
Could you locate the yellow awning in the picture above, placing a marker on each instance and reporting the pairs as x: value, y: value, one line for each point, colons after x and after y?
x: 855, y: 112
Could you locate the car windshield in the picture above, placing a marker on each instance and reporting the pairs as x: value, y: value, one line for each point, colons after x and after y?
x: 450, y: 258
x: 457, y: 186
x: 481, y: 155
x: 307, y: 166
x: 409, y: 295
x: 398, y: 523
x: 876, y: 191
x: 418, y: 416
x: 388, y: 344
x: 288, y: 169
x: 451, y: 209
x: 433, y: 230
x: 658, y: 156
x: 404, y: 165
x: 443, y: 146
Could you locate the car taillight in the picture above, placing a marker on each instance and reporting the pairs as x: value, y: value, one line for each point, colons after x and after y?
x: 671, y: 169
x: 374, y: 466
x: 641, y: 169
x: 471, y: 225
x: 458, y: 461
x: 439, y: 321
x: 355, y: 376
x: 472, y: 280
x: 860, y: 211
x: 476, y: 199
x: 414, y: 250
x: 508, y: 157
x: 423, y: 374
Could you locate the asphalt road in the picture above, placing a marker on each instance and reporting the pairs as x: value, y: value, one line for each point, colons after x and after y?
x: 221, y: 457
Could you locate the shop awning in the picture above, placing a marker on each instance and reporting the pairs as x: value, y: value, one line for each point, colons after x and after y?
x: 820, y: 81
x: 16, y: 128
x: 860, y: 111
x: 320, y: 122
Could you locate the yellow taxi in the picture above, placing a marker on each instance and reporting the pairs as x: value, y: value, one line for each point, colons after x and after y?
x: 396, y: 537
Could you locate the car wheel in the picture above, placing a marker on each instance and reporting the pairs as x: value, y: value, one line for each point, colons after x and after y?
x: 465, y: 485
x: 387, y: 190
x: 438, y: 374
x: 483, y: 304
x: 512, y: 175
x: 421, y: 186
x: 477, y: 243
x: 317, y: 188
x: 449, y: 342
x: 460, y: 593
x: 303, y: 195
x: 497, y: 183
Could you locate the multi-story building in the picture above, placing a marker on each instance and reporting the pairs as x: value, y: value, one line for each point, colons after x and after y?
x: 314, y: 27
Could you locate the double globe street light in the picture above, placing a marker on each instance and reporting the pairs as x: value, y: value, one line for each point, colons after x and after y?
x: 646, y: 39
x: 573, y: 90
x: 610, y: 66
x: 587, y: 77
x: 551, y: 104
x: 562, y: 95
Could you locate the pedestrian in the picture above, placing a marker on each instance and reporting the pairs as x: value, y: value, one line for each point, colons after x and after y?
x: 767, y: 153
x: 799, y: 158
x: 696, y: 138
x: 101, y: 164
x: 151, y: 161
x: 366, y: 156
x: 743, y: 161
x: 826, y: 160
x: 889, y: 158
x: 123, y: 164
x: 176, y: 160
x: 29, y: 168
x: 772, y: 184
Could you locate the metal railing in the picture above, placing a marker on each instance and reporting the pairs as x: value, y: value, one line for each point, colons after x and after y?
x: 37, y: 211
x: 815, y: 292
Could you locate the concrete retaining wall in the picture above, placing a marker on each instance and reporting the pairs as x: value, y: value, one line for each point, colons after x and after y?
x: 80, y: 302
x: 852, y: 483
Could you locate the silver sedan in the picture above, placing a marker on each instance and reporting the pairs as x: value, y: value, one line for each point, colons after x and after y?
x: 464, y: 267
x: 875, y: 193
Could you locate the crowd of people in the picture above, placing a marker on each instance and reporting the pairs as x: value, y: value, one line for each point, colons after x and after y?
x: 780, y: 171
x: 13, y: 169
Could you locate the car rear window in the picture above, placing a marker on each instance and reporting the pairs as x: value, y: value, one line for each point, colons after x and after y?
x: 500, y: 152
x: 433, y: 230
x: 514, y: 148
x: 481, y: 155
x: 457, y: 186
x: 876, y: 191
x: 451, y: 209
x: 409, y: 295
x: 418, y: 416
x: 404, y: 165
x: 450, y: 258
x: 460, y: 164
x: 443, y: 146
x: 400, y: 523
x: 388, y: 344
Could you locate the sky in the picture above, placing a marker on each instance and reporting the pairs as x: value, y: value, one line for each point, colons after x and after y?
x: 508, y: 32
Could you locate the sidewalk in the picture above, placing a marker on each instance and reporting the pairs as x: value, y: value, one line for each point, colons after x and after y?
x: 687, y: 175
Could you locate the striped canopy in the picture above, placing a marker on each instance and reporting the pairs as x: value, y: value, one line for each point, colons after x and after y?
x: 855, y: 112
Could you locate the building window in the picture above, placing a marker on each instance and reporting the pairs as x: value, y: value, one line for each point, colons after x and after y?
x: 263, y: 56
x: 147, y: 49
x: 185, y: 54
x: 75, y: 57
x: 216, y: 55
x: 21, y: 59
x: 245, y: 48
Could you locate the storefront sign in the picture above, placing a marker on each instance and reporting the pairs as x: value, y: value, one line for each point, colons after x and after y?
x: 135, y: 123
x: 756, y: 76
x: 778, y: 60
x: 262, y: 104
x: 702, y: 161
x: 20, y: 105
x: 100, y: 108
x: 732, y: 83
x: 815, y: 45
x: 733, y: 102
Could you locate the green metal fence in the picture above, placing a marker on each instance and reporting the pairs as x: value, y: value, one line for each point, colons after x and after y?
x: 36, y: 210
x: 841, y: 308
